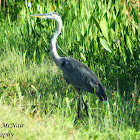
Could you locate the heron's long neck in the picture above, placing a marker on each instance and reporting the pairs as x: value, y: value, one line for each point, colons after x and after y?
x: 53, y: 48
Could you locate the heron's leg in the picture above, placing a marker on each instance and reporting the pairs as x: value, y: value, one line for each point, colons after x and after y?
x: 79, y: 104
x: 86, y: 108
x: 79, y: 101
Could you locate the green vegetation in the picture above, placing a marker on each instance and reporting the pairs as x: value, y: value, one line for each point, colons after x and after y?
x: 103, y: 35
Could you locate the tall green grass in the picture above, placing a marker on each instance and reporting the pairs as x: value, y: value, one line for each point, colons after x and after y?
x: 101, y: 34
x: 37, y: 96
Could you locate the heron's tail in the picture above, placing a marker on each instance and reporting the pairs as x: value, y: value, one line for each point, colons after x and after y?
x: 101, y: 93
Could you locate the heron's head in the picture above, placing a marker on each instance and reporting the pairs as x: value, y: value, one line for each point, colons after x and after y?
x: 51, y: 15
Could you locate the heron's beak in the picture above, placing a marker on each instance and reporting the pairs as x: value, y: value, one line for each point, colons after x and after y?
x: 39, y: 15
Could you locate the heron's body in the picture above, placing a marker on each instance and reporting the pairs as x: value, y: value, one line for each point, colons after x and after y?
x: 80, y: 76
x: 74, y: 72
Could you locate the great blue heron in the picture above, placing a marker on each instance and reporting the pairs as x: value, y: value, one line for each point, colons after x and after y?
x: 74, y: 72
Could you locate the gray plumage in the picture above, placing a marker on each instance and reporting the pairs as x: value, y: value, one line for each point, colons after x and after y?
x: 80, y: 76
x: 74, y: 72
